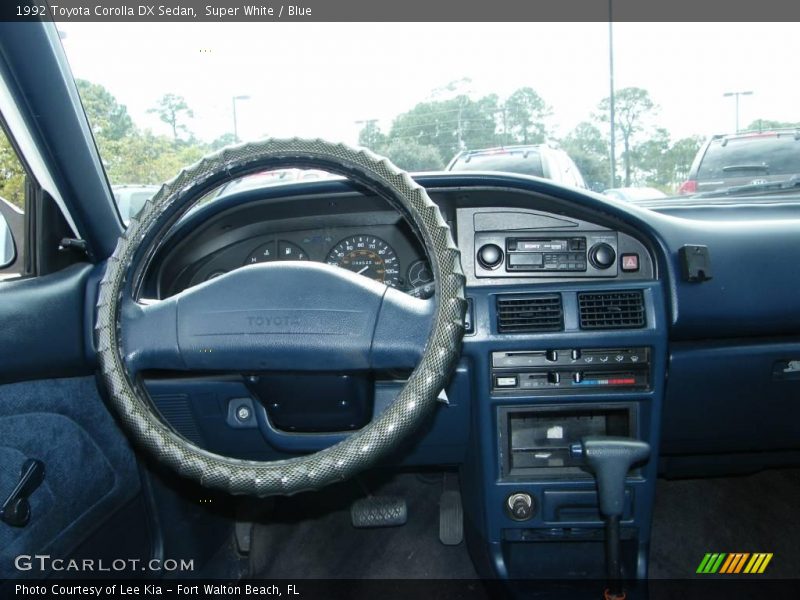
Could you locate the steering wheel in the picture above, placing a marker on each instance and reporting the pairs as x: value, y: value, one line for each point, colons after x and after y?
x: 297, y: 316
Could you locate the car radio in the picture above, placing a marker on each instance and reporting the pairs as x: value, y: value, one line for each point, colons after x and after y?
x: 532, y: 254
x: 591, y: 255
x: 570, y: 370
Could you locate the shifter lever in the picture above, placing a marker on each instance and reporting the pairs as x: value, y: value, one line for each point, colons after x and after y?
x: 610, y: 459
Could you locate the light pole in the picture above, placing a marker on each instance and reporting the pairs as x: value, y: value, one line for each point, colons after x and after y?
x: 369, y: 126
x: 235, y: 129
x: 736, y: 95
x: 611, y: 107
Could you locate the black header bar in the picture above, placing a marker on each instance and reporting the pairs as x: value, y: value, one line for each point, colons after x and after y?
x: 399, y: 10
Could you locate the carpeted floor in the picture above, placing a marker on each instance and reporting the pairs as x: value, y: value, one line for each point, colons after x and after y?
x: 310, y: 535
x: 754, y: 513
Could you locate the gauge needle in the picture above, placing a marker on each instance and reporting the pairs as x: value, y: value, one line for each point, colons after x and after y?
x: 362, y: 270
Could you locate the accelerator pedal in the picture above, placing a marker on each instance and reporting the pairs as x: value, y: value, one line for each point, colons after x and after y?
x: 379, y: 511
x: 451, y: 518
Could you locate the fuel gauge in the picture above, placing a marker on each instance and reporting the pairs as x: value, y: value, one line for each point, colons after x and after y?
x: 276, y: 250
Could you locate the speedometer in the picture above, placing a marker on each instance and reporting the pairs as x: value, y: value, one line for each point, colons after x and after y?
x: 369, y: 256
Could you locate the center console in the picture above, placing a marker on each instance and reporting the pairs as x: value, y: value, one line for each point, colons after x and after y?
x: 568, y: 343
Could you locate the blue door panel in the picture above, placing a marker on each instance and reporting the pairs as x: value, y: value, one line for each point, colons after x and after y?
x: 90, y: 468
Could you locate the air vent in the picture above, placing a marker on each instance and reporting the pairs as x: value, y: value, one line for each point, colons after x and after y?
x: 611, y: 310
x: 536, y: 312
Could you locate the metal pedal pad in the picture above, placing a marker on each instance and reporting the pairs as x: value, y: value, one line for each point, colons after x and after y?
x: 451, y: 518
x: 379, y: 511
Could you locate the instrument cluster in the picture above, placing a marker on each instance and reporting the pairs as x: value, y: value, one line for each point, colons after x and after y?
x: 388, y: 254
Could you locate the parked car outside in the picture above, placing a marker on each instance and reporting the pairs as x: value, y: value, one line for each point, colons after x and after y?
x: 270, y: 178
x: 633, y: 194
x: 131, y: 198
x: 744, y: 159
x: 539, y: 160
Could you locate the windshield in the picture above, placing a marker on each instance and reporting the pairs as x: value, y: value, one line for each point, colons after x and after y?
x: 161, y: 95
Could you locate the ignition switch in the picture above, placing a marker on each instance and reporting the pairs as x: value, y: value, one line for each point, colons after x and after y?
x: 520, y: 506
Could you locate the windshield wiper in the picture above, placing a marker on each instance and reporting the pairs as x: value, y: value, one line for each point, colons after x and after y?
x: 784, y: 185
x: 761, y: 167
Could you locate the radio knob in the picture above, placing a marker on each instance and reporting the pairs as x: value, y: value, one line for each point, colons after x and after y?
x: 490, y: 256
x: 602, y: 256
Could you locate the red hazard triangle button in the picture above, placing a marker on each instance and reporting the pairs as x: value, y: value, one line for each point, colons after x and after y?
x: 630, y: 262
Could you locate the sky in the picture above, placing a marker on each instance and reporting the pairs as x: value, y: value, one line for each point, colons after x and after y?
x: 321, y: 79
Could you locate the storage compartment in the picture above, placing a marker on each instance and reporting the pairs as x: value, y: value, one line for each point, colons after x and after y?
x: 535, y: 441
x: 752, y: 391
x: 315, y: 403
x: 566, y: 554
x: 579, y: 506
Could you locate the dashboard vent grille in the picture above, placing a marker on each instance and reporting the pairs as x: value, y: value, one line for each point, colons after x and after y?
x: 611, y: 310
x: 536, y: 312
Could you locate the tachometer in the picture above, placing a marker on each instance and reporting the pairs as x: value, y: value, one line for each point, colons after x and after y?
x: 369, y: 256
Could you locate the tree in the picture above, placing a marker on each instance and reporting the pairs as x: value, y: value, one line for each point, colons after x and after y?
x: 131, y: 156
x: 12, y: 175
x: 172, y: 109
x: 762, y: 124
x: 651, y: 160
x: 459, y: 122
x: 371, y: 136
x: 481, y: 123
x: 682, y: 155
x: 108, y: 119
x: 449, y: 125
x: 659, y: 162
x: 587, y: 146
x: 226, y: 139
x: 524, y: 114
x: 413, y: 156
x: 146, y: 158
x: 631, y: 107
x: 456, y: 87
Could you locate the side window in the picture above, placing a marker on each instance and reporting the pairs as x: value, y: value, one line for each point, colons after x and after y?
x: 12, y: 207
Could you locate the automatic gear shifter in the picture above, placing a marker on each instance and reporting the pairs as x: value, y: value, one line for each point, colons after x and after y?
x: 610, y: 459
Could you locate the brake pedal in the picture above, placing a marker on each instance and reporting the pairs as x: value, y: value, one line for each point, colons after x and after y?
x: 451, y: 518
x: 379, y: 511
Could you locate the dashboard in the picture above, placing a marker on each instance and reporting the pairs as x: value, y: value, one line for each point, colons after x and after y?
x: 527, y: 241
x: 529, y: 246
